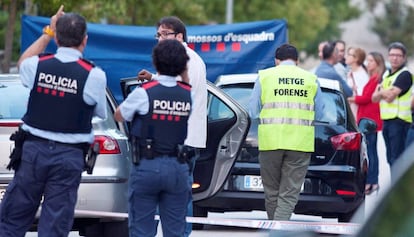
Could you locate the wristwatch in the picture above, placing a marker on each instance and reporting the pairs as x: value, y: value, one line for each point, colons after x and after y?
x: 48, y: 31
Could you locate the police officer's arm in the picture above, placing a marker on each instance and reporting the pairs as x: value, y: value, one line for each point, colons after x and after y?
x: 41, y: 43
x: 137, y: 102
x: 118, y: 116
x: 144, y: 75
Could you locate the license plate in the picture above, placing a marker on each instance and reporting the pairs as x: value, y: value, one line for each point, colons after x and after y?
x: 253, y: 182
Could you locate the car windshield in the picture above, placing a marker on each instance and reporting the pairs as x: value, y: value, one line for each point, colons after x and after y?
x: 334, y: 107
x: 13, y: 99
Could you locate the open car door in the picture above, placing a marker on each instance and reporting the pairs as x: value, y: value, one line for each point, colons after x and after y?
x: 227, y: 127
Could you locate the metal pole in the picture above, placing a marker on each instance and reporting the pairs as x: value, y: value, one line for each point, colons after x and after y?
x: 229, y: 12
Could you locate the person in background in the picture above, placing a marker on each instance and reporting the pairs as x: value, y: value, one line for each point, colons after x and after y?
x: 172, y: 27
x: 369, y: 109
x: 326, y: 69
x: 358, y: 76
x: 58, y: 125
x: 320, y: 49
x: 341, y: 66
x: 160, y: 177
x: 394, y: 94
x: 410, y: 133
x: 285, y: 133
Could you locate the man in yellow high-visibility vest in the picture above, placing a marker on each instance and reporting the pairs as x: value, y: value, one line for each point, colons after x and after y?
x: 394, y: 94
x: 284, y: 99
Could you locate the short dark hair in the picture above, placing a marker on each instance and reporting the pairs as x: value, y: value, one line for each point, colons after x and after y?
x: 398, y: 45
x: 286, y: 51
x: 328, y: 50
x: 70, y: 30
x: 340, y: 42
x: 170, y: 57
x: 174, y: 23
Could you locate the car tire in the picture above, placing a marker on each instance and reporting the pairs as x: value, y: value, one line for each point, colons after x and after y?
x: 199, y: 212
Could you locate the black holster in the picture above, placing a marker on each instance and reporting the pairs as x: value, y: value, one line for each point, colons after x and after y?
x: 91, y: 152
x: 16, y: 155
x: 185, y: 154
x: 135, y: 149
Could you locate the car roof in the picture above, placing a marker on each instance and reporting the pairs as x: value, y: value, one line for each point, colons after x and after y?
x: 9, y: 76
x: 230, y: 79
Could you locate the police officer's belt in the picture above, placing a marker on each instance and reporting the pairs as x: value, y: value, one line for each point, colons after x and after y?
x: 31, y: 137
x: 151, y: 153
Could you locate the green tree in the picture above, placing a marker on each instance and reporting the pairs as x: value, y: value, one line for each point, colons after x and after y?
x: 9, y: 28
x: 309, y: 21
x: 395, y: 24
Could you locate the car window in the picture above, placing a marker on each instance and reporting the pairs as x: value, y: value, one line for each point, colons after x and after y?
x: 334, y: 106
x: 107, y: 123
x: 217, y: 110
x: 13, y: 100
x: 241, y: 93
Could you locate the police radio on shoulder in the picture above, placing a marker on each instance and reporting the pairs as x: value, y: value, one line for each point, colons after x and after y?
x: 48, y: 31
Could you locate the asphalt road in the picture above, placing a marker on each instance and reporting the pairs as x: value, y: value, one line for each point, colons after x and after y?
x: 218, y: 230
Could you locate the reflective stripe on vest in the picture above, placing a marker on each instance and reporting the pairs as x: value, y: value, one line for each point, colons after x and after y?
x: 401, y: 106
x: 286, y: 118
x: 301, y: 122
x: 288, y: 105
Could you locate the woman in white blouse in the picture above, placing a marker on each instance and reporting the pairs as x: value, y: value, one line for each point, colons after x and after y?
x: 358, y: 76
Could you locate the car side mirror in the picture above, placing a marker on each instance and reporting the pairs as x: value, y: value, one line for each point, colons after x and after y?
x: 367, y: 125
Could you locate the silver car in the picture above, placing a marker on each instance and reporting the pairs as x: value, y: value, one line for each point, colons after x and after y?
x: 105, y: 190
x: 102, y: 204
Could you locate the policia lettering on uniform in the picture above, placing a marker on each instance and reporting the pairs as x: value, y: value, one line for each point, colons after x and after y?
x: 291, y: 91
x: 63, y: 95
x: 165, y: 125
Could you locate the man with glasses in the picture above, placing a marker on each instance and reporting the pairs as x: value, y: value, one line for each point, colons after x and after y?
x: 394, y: 95
x: 172, y: 27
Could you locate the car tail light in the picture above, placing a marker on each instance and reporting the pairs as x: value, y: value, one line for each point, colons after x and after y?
x: 345, y: 193
x: 350, y: 141
x: 10, y: 124
x: 107, y: 145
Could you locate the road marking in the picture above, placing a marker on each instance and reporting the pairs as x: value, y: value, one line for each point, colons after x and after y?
x: 319, y: 227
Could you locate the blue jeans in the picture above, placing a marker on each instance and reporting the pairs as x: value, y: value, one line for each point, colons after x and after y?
x: 394, y: 133
x: 189, y: 226
x: 410, y: 136
x: 372, y: 177
x: 162, y: 182
x: 47, y: 169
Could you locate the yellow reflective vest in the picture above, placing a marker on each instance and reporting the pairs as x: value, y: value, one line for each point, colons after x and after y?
x: 401, y: 106
x: 288, y: 109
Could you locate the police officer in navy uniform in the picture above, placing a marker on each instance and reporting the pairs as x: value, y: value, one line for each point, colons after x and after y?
x: 159, y: 112
x: 66, y: 91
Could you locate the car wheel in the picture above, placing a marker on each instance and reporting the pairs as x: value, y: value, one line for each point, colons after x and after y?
x: 199, y: 212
